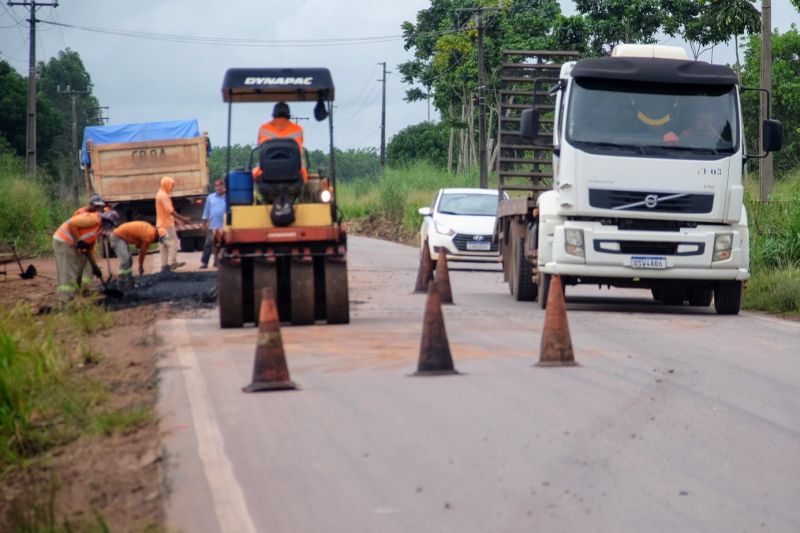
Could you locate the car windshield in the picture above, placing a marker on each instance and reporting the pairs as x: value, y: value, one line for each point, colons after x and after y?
x: 468, y: 204
x: 652, y: 119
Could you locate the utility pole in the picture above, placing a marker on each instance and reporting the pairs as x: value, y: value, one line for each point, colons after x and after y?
x: 482, y: 159
x: 30, y: 157
x: 73, y: 95
x: 765, y: 173
x: 383, y: 117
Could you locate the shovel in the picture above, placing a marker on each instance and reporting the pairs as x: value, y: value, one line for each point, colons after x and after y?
x: 28, y: 273
x: 108, y: 291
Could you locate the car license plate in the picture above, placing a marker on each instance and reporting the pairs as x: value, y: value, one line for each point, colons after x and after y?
x: 479, y: 246
x: 649, y: 262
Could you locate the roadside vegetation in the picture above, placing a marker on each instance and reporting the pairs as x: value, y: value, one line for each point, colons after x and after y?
x: 774, y: 284
x: 28, y: 212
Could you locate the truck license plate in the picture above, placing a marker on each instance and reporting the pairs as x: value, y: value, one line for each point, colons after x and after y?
x: 479, y: 246
x: 649, y: 262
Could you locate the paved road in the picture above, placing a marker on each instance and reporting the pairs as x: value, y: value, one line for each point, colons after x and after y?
x: 676, y: 419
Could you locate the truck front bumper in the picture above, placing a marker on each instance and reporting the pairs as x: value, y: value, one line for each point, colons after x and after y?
x: 684, y: 255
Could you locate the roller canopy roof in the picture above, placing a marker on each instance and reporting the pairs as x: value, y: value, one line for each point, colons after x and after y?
x: 655, y: 70
x: 277, y: 85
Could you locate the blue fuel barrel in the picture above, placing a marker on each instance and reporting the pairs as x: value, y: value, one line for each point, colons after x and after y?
x: 240, y: 187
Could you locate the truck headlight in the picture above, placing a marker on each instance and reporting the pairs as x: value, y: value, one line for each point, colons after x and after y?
x: 574, y: 242
x: 723, y: 244
x: 444, y: 230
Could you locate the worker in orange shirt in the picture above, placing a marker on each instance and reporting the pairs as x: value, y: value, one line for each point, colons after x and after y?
x: 138, y: 233
x: 73, y: 242
x: 165, y: 219
x: 280, y: 127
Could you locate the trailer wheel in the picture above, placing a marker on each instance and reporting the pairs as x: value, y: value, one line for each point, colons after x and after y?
x: 229, y: 281
x: 728, y: 297
x: 301, y: 278
x: 511, y: 266
x: 524, y: 288
x: 264, y: 275
x: 337, y: 306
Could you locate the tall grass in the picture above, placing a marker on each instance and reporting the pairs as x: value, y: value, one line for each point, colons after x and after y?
x: 45, y: 398
x: 28, y: 215
x: 775, y: 247
x: 398, y: 193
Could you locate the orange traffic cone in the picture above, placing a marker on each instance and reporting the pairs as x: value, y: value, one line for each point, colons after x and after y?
x: 443, y: 278
x: 434, y: 350
x: 556, y: 349
x: 269, y: 370
x: 425, y: 273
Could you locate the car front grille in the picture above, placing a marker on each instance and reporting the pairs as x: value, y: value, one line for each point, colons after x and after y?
x: 460, y: 240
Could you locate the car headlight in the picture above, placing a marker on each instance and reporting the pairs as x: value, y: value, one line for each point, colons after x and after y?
x: 723, y: 244
x: 574, y: 242
x: 443, y: 229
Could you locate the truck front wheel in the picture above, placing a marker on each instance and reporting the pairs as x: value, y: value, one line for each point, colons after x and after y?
x: 728, y: 297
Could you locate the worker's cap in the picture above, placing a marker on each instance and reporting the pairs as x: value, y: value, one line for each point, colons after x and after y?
x: 281, y: 109
x: 97, y: 201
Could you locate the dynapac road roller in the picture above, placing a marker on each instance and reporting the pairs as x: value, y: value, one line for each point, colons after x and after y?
x: 282, y: 231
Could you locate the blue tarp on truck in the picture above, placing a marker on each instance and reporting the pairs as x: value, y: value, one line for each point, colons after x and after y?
x: 145, y: 131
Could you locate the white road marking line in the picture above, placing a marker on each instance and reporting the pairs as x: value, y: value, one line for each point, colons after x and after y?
x: 229, y: 503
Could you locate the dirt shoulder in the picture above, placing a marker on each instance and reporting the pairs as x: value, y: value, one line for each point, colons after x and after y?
x: 113, y: 478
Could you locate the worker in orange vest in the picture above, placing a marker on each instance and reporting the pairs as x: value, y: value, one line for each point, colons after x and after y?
x: 138, y: 233
x: 166, y: 215
x: 280, y: 127
x: 73, y: 242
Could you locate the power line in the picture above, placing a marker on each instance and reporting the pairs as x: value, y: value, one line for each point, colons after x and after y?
x: 365, y: 106
x: 366, y: 84
x: 228, y: 41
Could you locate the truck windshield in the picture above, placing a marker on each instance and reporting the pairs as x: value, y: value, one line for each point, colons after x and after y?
x: 664, y: 120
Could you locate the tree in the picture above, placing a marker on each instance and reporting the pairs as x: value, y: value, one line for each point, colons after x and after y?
x: 426, y: 141
x: 218, y: 158
x: 785, y: 94
x: 56, y: 76
x: 621, y: 21
x: 14, y: 110
x: 444, y: 40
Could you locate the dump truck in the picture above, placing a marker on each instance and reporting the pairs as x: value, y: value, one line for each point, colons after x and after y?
x: 643, y: 184
x: 124, y: 163
x: 282, y: 231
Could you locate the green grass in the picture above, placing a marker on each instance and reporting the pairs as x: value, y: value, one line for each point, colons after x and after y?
x: 774, y: 284
x: 123, y: 421
x: 398, y: 193
x: 45, y: 398
x: 28, y: 216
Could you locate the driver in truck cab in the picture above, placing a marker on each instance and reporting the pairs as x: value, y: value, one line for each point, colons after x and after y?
x: 280, y: 127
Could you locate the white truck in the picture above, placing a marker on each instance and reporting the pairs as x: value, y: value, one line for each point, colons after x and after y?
x: 648, y: 154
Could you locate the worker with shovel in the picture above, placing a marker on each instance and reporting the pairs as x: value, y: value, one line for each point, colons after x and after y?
x: 73, y: 247
x: 138, y: 233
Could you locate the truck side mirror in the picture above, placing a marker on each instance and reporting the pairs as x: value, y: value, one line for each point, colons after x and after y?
x: 529, y: 124
x: 772, y: 135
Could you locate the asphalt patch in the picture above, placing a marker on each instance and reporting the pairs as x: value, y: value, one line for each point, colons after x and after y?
x: 182, y: 290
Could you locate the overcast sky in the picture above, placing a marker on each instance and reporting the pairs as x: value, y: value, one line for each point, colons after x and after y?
x: 149, y: 79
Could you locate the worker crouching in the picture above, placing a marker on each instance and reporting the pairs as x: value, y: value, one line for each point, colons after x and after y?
x: 73, y: 248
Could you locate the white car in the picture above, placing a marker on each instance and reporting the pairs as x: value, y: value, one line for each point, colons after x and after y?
x: 462, y: 222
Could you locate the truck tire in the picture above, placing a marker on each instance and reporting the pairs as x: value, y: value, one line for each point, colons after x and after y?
x: 544, y: 289
x: 699, y: 297
x: 673, y: 295
x: 187, y: 244
x: 301, y: 280
x: 728, y: 297
x: 524, y: 288
x: 229, y: 294
x: 512, y: 267
x: 337, y: 305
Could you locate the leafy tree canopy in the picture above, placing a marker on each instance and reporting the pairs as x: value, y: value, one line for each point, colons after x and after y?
x: 426, y: 141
